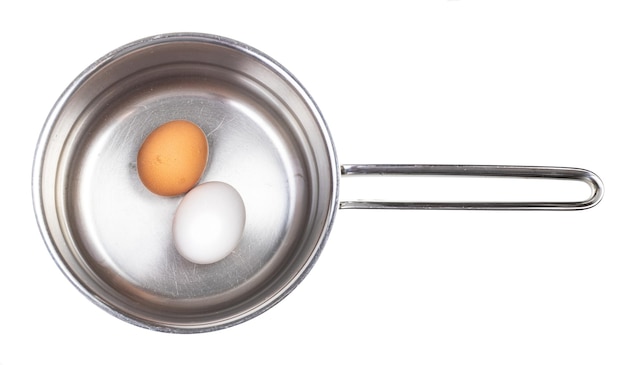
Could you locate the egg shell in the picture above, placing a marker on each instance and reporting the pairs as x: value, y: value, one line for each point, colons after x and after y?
x: 209, y: 222
x: 172, y: 158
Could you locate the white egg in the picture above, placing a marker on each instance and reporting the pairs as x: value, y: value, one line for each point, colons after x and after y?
x: 209, y: 222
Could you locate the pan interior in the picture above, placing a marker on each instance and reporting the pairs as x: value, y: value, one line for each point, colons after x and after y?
x: 113, y: 237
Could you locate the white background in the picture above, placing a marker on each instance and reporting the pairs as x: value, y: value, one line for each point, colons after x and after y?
x: 465, y: 81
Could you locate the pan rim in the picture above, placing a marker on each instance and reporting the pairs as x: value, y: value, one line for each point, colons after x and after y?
x: 52, y: 119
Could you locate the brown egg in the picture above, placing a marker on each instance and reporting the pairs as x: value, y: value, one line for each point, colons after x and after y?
x: 172, y: 158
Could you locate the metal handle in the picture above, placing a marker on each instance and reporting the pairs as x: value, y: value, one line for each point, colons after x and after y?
x: 479, y: 171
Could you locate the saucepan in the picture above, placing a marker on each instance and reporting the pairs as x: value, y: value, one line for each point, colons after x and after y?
x: 112, y: 238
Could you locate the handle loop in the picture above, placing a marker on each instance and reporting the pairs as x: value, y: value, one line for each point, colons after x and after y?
x: 539, y: 172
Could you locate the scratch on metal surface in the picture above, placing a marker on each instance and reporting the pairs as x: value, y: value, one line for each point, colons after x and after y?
x: 176, y: 286
x: 219, y: 126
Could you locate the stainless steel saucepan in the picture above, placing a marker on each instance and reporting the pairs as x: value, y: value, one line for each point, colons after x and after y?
x: 112, y: 238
